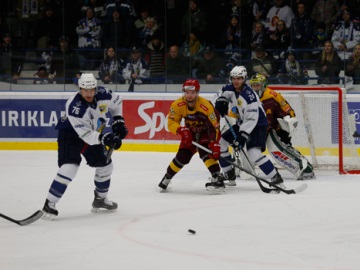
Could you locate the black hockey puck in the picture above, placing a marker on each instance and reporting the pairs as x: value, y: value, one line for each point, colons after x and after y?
x: 191, y: 231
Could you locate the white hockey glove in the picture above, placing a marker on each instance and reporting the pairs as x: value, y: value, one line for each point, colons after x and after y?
x: 288, y: 124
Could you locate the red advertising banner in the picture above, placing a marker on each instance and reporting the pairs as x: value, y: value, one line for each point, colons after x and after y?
x: 146, y: 119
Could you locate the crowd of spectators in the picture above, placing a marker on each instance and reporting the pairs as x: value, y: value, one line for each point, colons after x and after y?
x: 172, y: 40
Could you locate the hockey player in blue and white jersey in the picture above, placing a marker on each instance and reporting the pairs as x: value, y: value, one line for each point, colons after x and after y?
x: 80, y: 133
x: 239, y: 102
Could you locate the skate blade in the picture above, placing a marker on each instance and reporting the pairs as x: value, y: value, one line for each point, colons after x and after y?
x: 47, y: 216
x: 215, y: 190
x: 102, y: 210
x: 230, y: 183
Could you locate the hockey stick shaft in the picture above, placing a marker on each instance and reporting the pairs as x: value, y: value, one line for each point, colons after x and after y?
x: 287, y: 191
x: 263, y: 189
x: 34, y: 217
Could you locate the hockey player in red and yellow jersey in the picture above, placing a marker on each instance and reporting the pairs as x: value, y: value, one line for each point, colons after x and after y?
x: 201, y: 124
x: 282, y: 124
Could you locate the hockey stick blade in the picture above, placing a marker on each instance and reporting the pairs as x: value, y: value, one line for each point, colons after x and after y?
x: 266, y: 190
x: 34, y: 217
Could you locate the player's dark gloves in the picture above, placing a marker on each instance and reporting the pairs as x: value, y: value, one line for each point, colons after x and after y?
x: 119, y: 128
x: 222, y: 106
x: 110, y: 140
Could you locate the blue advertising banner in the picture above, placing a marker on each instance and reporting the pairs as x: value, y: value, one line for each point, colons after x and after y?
x: 30, y: 118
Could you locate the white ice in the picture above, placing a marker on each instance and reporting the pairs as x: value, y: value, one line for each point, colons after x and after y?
x: 241, y: 229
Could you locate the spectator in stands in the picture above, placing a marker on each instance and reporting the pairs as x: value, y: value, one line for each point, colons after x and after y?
x: 42, y: 76
x: 354, y: 7
x: 264, y: 64
x: 96, y: 5
x: 291, y: 71
x: 326, y: 11
x: 47, y: 29
x: 155, y: 56
x: 346, y: 35
x: 193, y: 46
x: 143, y: 15
x: 232, y: 39
x: 241, y: 9
x: 194, y: 19
x: 258, y: 37
x: 302, y: 31
x: 319, y: 39
x: 145, y: 33
x: 260, y: 9
x: 89, y: 37
x: 209, y: 66
x: 28, y: 14
x: 234, y: 60
x: 111, y: 69
x: 116, y: 33
x: 126, y: 9
x: 280, y: 11
x: 136, y: 69
x: 10, y: 60
x: 178, y: 66
x: 65, y: 64
x: 328, y: 65
x: 279, y: 40
x: 352, y: 68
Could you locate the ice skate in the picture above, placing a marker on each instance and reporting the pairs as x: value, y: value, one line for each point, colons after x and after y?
x: 100, y: 204
x: 308, y: 173
x: 216, y: 184
x: 229, y: 178
x: 49, y: 211
x: 164, y: 182
x: 277, y: 180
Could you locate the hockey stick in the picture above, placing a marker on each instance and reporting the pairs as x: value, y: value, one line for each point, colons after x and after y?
x: 263, y: 189
x: 287, y: 191
x: 34, y: 217
x: 109, y: 153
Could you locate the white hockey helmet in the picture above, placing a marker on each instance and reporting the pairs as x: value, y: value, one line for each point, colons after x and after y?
x: 238, y: 71
x: 87, y: 81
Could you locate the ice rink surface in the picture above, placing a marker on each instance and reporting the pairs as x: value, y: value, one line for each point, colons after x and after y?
x: 241, y: 229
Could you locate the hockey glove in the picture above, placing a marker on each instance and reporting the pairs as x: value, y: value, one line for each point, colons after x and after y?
x: 119, y: 128
x: 240, y: 141
x: 215, y: 148
x: 110, y: 140
x: 186, y: 136
x: 222, y: 106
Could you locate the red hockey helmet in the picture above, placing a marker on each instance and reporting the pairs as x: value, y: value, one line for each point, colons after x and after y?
x: 191, y: 84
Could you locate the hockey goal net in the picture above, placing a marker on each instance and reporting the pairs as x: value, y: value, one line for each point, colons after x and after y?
x: 326, y: 132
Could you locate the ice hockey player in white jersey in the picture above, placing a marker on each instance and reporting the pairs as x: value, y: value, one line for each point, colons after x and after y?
x: 80, y: 133
x: 239, y: 101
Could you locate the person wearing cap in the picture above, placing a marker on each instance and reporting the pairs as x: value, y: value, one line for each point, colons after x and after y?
x: 136, y: 70
x: 201, y: 125
x: 209, y: 66
x: 291, y: 71
x: 346, y: 35
x: 42, y: 76
x: 262, y: 63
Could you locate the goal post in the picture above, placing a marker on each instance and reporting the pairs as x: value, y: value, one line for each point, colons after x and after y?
x: 325, y: 131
